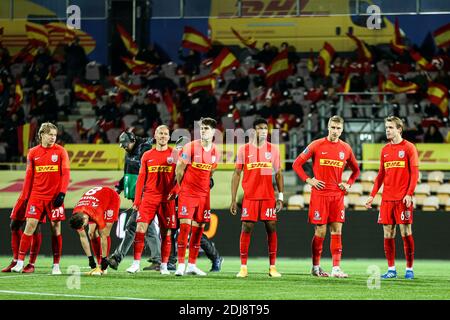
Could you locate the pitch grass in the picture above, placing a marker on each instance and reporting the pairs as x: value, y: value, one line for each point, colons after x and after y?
x: 431, y: 283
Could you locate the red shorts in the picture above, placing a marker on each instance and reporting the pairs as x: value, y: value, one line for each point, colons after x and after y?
x: 38, y: 209
x: 165, y: 211
x: 395, y: 212
x: 194, y: 208
x: 255, y: 210
x: 18, y: 212
x: 110, y: 215
x: 326, y: 209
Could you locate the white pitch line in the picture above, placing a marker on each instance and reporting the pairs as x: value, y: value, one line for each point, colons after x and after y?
x: 67, y: 295
x: 24, y: 276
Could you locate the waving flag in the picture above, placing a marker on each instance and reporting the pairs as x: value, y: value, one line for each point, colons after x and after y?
x: 223, y: 62
x: 364, y: 53
x: 279, y: 69
x: 326, y: 55
x: 138, y: 66
x: 128, y: 41
x: 248, y: 42
x: 395, y: 85
x: 423, y: 63
x: 86, y: 92
x: 438, y: 95
x: 37, y: 34
x: 25, y: 135
x: 398, y: 43
x: 204, y: 83
x: 195, y: 40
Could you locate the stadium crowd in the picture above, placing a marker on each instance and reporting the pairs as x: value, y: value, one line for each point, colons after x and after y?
x: 37, y: 85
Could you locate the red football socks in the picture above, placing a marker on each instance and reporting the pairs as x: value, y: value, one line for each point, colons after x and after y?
x: 316, y: 248
x: 56, y: 248
x: 16, y: 235
x: 35, y: 247
x: 336, y: 249
x: 25, y: 243
x: 408, y: 246
x: 182, y: 241
x: 243, y: 246
x: 272, y: 241
x: 194, y: 243
x: 139, y: 244
x: 96, y: 248
x: 165, y: 247
x: 389, y: 251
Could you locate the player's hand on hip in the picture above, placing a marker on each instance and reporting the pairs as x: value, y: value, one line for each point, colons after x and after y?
x: 233, y: 208
x: 369, y: 201
x: 344, y: 186
x: 279, y: 206
x: 407, y: 200
x: 318, y: 184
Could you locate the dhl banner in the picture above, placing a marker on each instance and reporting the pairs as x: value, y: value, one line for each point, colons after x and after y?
x: 111, y: 156
x: 432, y: 156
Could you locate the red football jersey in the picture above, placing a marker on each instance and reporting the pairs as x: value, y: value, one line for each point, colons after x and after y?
x: 47, y: 174
x: 156, y: 175
x: 329, y: 161
x: 200, y: 164
x: 98, y: 202
x: 258, y: 165
x: 399, y: 171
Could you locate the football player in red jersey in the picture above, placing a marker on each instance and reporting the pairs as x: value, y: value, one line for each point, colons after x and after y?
x: 330, y: 156
x: 46, y: 181
x: 398, y: 173
x: 156, y: 181
x: 258, y: 159
x: 195, y: 167
x: 98, y: 208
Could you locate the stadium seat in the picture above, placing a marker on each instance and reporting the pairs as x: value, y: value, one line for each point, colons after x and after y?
x: 422, y: 191
x: 346, y: 202
x: 307, y: 193
x: 419, y: 180
x: 113, y: 135
x: 355, y: 192
x: 92, y: 71
x: 63, y: 97
x: 296, y: 202
x: 435, y: 179
x: 367, y: 179
x: 247, y: 122
x: 430, y: 204
x: 129, y: 119
x: 443, y: 193
x: 345, y: 175
x: 360, y: 203
x: 447, y: 205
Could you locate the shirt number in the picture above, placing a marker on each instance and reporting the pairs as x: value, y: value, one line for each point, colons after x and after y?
x: 271, y: 213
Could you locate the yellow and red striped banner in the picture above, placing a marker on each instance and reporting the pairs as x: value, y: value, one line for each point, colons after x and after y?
x: 423, y: 63
x: 132, y: 89
x: 25, y: 135
x: 397, y: 43
x: 395, y: 85
x: 85, y: 92
x: 128, y: 41
x: 438, y: 95
x: 137, y: 66
x: 37, y: 34
x: 223, y: 62
x: 442, y: 36
x: 279, y: 69
x: 326, y: 55
x: 195, y: 40
x: 204, y: 83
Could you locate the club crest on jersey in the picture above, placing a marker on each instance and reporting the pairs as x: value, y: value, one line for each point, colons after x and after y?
x: 401, y: 154
x: 169, y: 160
x: 32, y: 210
x: 268, y: 155
x: 109, y: 213
x: 317, y: 215
x: 184, y: 210
x: 341, y: 155
x: 407, y: 215
x: 213, y: 159
x: 54, y: 157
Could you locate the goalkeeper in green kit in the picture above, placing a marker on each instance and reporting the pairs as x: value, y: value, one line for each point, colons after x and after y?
x: 135, y: 148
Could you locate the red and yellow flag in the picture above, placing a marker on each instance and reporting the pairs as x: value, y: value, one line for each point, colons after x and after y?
x: 442, y: 36
x: 438, y: 95
x: 85, y: 92
x: 25, y: 135
x: 195, y: 40
x: 326, y: 55
x: 279, y: 69
x: 223, y: 62
x: 37, y: 34
x: 171, y: 106
x: 138, y: 66
x: 345, y: 87
x: 395, y: 85
x: 204, y: 83
x: 59, y: 32
x: 397, y: 44
x: 132, y: 89
x: 423, y: 63
x: 248, y: 42
x: 128, y: 41
x: 310, y: 62
x: 364, y: 53
x: 19, y: 93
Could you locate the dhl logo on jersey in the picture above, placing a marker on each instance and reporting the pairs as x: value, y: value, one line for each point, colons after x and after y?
x: 53, y: 168
x: 160, y: 169
x: 202, y: 166
x: 394, y: 164
x: 331, y: 163
x: 259, y: 165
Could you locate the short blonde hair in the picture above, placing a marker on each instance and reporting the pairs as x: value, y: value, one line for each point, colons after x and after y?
x: 337, y: 119
x: 45, y: 128
x: 398, y: 122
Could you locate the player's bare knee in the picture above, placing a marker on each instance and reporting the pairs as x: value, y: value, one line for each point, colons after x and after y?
x: 247, y: 227
x: 320, y: 230
x: 271, y: 226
